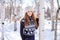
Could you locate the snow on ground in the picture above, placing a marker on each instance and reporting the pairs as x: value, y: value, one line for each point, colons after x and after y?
x: 9, y: 33
x: 48, y: 34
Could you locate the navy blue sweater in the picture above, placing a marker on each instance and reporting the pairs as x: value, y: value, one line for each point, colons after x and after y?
x: 22, y: 26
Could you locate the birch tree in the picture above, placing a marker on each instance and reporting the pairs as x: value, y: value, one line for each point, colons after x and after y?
x: 2, y: 18
x: 52, y: 14
x: 55, y: 35
x: 41, y: 19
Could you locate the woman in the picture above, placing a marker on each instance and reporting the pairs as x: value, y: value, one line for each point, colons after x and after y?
x: 28, y: 25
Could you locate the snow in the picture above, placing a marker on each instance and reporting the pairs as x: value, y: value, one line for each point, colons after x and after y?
x: 48, y: 34
x: 10, y: 34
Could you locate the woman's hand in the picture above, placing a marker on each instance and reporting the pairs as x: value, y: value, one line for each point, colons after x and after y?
x: 38, y: 15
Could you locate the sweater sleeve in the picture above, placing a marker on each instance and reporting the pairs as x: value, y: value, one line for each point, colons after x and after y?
x: 21, y: 28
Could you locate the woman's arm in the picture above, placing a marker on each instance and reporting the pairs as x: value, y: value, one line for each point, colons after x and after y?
x: 21, y: 28
x: 37, y: 19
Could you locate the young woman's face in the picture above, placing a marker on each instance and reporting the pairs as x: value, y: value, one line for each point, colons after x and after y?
x: 29, y: 13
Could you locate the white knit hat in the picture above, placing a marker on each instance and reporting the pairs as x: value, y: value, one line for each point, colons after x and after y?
x: 29, y: 8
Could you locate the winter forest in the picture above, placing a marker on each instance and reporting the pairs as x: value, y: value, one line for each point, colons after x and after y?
x: 12, y: 11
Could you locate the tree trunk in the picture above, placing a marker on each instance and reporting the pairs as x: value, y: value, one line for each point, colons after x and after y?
x: 41, y: 20
x: 2, y: 19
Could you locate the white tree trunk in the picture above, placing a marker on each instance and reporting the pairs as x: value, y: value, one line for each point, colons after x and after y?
x: 2, y: 20
x: 41, y: 20
x: 52, y: 14
x: 15, y: 16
